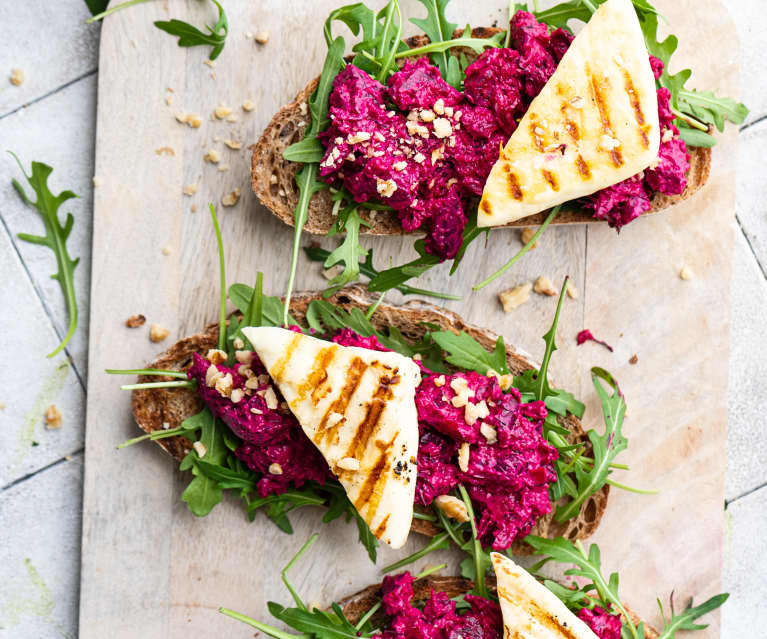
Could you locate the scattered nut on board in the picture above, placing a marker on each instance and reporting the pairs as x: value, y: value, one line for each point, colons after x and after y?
x: 165, y: 150
x: 134, y: 321
x: 514, y: 297
x: 686, y: 273
x: 262, y: 37
x: 527, y: 235
x: 167, y: 250
x: 212, y: 156
x: 233, y: 144
x: 248, y: 105
x: 52, y: 417
x: 222, y: 111
x: 230, y: 199
x: 190, y: 189
x: 543, y: 286
x: 17, y: 77
x: 572, y: 291
x: 633, y: 359
x: 193, y: 120
x: 158, y: 333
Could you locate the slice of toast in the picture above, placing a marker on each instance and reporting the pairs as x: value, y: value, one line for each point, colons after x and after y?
x: 273, y: 177
x: 152, y: 408
x: 356, y: 605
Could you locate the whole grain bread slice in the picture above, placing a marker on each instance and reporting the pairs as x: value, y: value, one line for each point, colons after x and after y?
x: 273, y: 177
x: 155, y: 409
x: 356, y: 605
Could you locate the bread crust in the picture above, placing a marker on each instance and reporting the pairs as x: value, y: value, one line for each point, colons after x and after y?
x: 280, y: 194
x: 359, y: 603
x: 158, y: 408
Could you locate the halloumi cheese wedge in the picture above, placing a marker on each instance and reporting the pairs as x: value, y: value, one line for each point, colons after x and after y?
x: 594, y: 123
x: 529, y: 609
x: 358, y: 407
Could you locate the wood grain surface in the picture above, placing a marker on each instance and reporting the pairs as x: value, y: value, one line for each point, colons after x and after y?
x: 151, y: 568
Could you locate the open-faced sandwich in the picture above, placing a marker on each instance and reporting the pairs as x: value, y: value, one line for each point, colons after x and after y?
x: 507, y: 602
x: 399, y: 417
x: 458, y: 130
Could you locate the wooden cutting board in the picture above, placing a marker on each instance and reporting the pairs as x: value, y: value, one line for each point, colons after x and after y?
x: 150, y: 568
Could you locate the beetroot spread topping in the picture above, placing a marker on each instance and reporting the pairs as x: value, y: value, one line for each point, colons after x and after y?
x: 430, y: 153
x: 474, y: 434
x: 438, y: 619
x: 604, y: 624
x: 587, y: 336
x: 425, y: 148
x: 471, y: 433
x: 273, y: 443
x: 621, y: 203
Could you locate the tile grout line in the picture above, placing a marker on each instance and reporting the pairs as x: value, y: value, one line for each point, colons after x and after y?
x: 53, y: 464
x: 50, y: 93
x: 750, y: 491
x: 41, y: 298
x: 748, y: 125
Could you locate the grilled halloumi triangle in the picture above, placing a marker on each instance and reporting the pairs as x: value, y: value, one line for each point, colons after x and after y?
x: 530, y: 610
x: 594, y: 123
x: 358, y: 407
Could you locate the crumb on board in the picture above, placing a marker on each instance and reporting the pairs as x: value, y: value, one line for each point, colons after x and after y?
x: 572, y: 291
x: 193, y: 120
x: 97, y: 181
x: 193, y: 208
x: 223, y: 167
x: 52, y: 417
x: 222, y: 111
x: 514, y: 297
x: 134, y: 321
x: 633, y: 359
x: 17, y: 77
x: 686, y: 273
x: 527, y: 235
x: 233, y: 144
x: 167, y: 250
x: 200, y: 448
x: 190, y: 189
x: 210, y: 63
x: 158, y: 333
x: 232, y: 117
x: 165, y: 150
x: 248, y: 105
x: 262, y: 37
x: 230, y: 199
x: 212, y: 156
x: 544, y: 286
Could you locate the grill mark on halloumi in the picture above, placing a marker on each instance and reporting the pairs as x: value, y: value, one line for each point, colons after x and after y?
x: 339, y: 405
x: 542, y: 616
x: 485, y: 206
x: 279, y: 366
x: 551, y: 179
x: 381, y: 528
x: 604, y: 114
x: 315, y: 380
x: 513, y: 182
x: 372, y: 490
x: 375, y: 409
x: 583, y: 167
x: 637, y: 107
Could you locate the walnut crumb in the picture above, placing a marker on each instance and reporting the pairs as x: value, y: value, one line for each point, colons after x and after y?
x: 17, y: 77
x: 243, y: 357
x: 230, y: 199
x: 238, y: 343
x: 215, y: 356
x: 463, y: 456
x: 572, y: 292
x: 248, y: 105
x: 489, y: 433
x: 200, y: 448
x: 262, y: 37
x: 134, y: 321
x: 233, y: 144
x: 633, y: 359
x: 275, y: 469
x: 167, y: 250
x: 210, y: 63
x: 165, y: 150
x: 190, y: 189
x: 222, y: 111
x: 52, y: 417
x: 193, y: 120
x: 543, y: 286
x: 212, y: 156
x: 686, y: 273
x: 158, y: 333
x: 452, y: 507
x: 527, y: 235
x: 237, y: 395
x: 515, y: 297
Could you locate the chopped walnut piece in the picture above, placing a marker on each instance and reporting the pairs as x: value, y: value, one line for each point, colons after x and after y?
x: 474, y: 412
x: 271, y: 399
x: 200, y: 448
x: 237, y: 395
x: 514, y: 297
x: 572, y: 292
x: 212, y: 375
x: 248, y: 105
x: 489, y: 433
x: 134, y: 321
x: 452, y: 507
x: 190, y: 189
x: 348, y: 463
x: 165, y: 150
x: 222, y: 111
x: 262, y: 37
x: 527, y: 235
x: 439, y: 381
x: 633, y: 359
x: 215, y: 356
x: 17, y: 77
x: 543, y: 286
x: 230, y: 199
x: 232, y: 144
x: 238, y: 343
x: 275, y: 469
x: 224, y: 385
x: 52, y: 417
x: 506, y: 382
x: 158, y: 333
x: 212, y: 156
x: 463, y: 456
x: 243, y: 357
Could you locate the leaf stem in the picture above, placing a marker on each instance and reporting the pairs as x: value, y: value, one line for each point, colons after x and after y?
x: 436, y: 543
x: 695, y: 124
x: 639, y: 491
x: 222, y: 280
x: 430, y: 571
x: 145, y: 371
x: 522, y: 251
x: 480, y: 584
x: 364, y: 619
x: 111, y: 10
x: 285, y: 570
x: 179, y: 384
x: 154, y: 435
x: 265, y: 628
x: 374, y: 307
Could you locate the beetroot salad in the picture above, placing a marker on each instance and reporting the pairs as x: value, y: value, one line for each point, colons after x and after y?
x: 471, y: 433
x: 426, y: 149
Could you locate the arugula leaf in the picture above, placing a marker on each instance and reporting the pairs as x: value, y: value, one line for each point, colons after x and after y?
x: 272, y: 308
x: 96, y: 6
x: 604, y: 447
x: 306, y: 151
x: 587, y: 566
x: 203, y: 492
x: 191, y: 36
x: 398, y: 275
x: 709, y: 109
x: 348, y: 253
x: 455, y: 73
x: 684, y: 620
x: 55, y: 237
x: 316, y: 623
x: 695, y: 137
x: 465, y: 352
x: 438, y: 29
